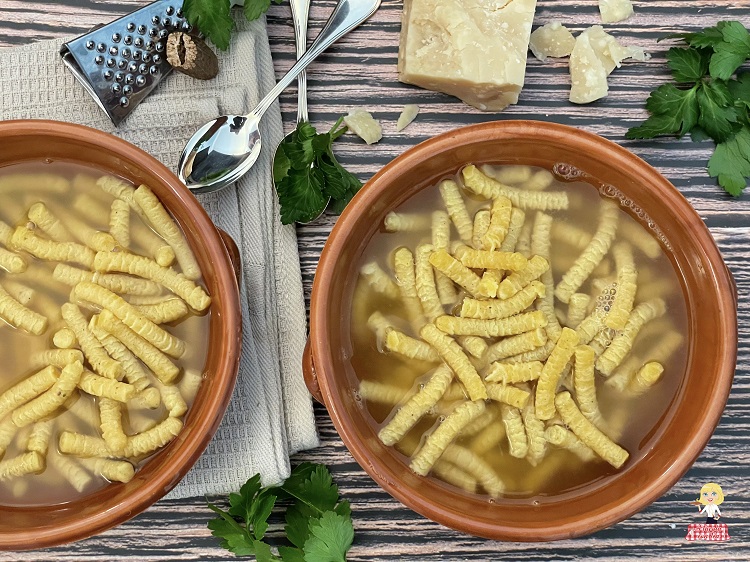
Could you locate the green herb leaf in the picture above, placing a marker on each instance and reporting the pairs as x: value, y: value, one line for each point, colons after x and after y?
x: 717, y: 114
x: 263, y: 552
x: 301, y: 195
x: 307, y: 174
x: 715, y: 107
x: 331, y: 538
x: 289, y: 554
x: 730, y: 163
x: 688, y: 65
x: 674, y: 112
x: 255, y: 8
x: 297, y: 526
x: 726, y: 61
x: 698, y: 135
x: 708, y: 37
x: 739, y: 89
x: 731, y: 52
x: 318, y: 524
x: 313, y: 488
x: 338, y: 205
x: 241, y: 505
x: 233, y: 536
x: 212, y: 18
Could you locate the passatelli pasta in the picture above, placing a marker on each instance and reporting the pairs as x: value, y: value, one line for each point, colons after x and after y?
x: 113, y: 334
x: 508, y: 300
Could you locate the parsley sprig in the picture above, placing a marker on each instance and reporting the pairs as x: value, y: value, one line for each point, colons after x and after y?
x: 710, y: 99
x: 318, y: 523
x: 307, y: 174
x: 213, y: 20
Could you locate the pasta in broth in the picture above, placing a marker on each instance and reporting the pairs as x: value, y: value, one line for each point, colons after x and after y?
x: 510, y: 341
x: 104, y: 333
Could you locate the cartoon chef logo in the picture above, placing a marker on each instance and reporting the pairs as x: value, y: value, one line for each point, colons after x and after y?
x: 708, y: 502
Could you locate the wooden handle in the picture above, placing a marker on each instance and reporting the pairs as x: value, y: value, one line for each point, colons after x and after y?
x: 309, y: 374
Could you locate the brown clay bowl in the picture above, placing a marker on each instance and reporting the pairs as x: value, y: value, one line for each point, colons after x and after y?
x: 42, y: 526
x: 712, y: 325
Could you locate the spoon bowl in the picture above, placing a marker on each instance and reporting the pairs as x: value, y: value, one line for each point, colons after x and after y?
x: 224, y: 149
x: 220, y: 152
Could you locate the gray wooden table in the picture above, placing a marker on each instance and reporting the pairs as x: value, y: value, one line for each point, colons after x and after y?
x: 361, y: 71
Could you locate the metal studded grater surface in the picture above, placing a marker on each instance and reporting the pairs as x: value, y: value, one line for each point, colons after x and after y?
x: 121, y: 62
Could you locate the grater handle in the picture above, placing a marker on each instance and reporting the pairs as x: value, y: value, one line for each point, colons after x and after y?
x: 347, y: 15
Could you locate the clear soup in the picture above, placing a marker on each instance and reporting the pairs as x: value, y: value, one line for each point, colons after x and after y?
x: 628, y: 417
x: 82, y: 201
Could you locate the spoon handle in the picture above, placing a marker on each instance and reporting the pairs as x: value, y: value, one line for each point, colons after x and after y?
x: 300, y: 13
x: 347, y: 15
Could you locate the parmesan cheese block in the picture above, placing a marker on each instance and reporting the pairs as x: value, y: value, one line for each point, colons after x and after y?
x: 551, y: 40
x: 613, y: 11
x: 472, y: 49
x: 595, y: 55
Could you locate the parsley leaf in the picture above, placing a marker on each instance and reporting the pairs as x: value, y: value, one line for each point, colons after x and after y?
x: 318, y: 523
x: 688, y: 65
x: 255, y: 8
x: 674, y: 112
x: 233, y: 536
x: 307, y: 174
x: 739, y: 89
x: 717, y: 114
x: 730, y: 162
x: 731, y: 52
x: 301, y: 195
x: 331, y: 537
x: 707, y: 37
x: 715, y: 107
x: 212, y: 18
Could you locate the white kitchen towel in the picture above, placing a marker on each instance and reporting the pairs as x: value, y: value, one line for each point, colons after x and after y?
x: 270, y: 415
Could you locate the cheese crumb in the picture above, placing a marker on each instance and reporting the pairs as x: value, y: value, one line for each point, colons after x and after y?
x: 613, y: 11
x: 362, y: 124
x: 408, y: 115
x: 595, y: 55
x: 551, y: 40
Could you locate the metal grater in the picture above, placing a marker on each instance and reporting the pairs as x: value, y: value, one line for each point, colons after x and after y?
x: 121, y: 62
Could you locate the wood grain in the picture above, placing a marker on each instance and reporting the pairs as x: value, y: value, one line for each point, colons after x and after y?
x: 360, y: 71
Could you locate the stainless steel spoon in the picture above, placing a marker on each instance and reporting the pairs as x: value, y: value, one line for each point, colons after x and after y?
x: 224, y: 149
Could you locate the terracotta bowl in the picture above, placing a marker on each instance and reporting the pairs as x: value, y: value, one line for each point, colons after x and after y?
x: 42, y: 526
x: 712, y: 325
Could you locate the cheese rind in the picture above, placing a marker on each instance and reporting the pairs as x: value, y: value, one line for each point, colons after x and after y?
x: 472, y: 49
x: 551, y: 40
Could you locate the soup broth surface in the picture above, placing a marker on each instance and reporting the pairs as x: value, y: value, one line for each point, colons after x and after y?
x: 635, y: 419
x: 80, y: 412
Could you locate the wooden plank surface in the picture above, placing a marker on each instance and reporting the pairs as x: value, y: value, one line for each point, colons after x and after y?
x: 360, y: 71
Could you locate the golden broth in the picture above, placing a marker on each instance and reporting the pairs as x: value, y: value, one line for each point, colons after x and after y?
x: 16, y: 346
x: 560, y: 471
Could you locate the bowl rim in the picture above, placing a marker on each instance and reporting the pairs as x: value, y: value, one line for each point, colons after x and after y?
x: 320, y: 354
x: 189, y: 448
